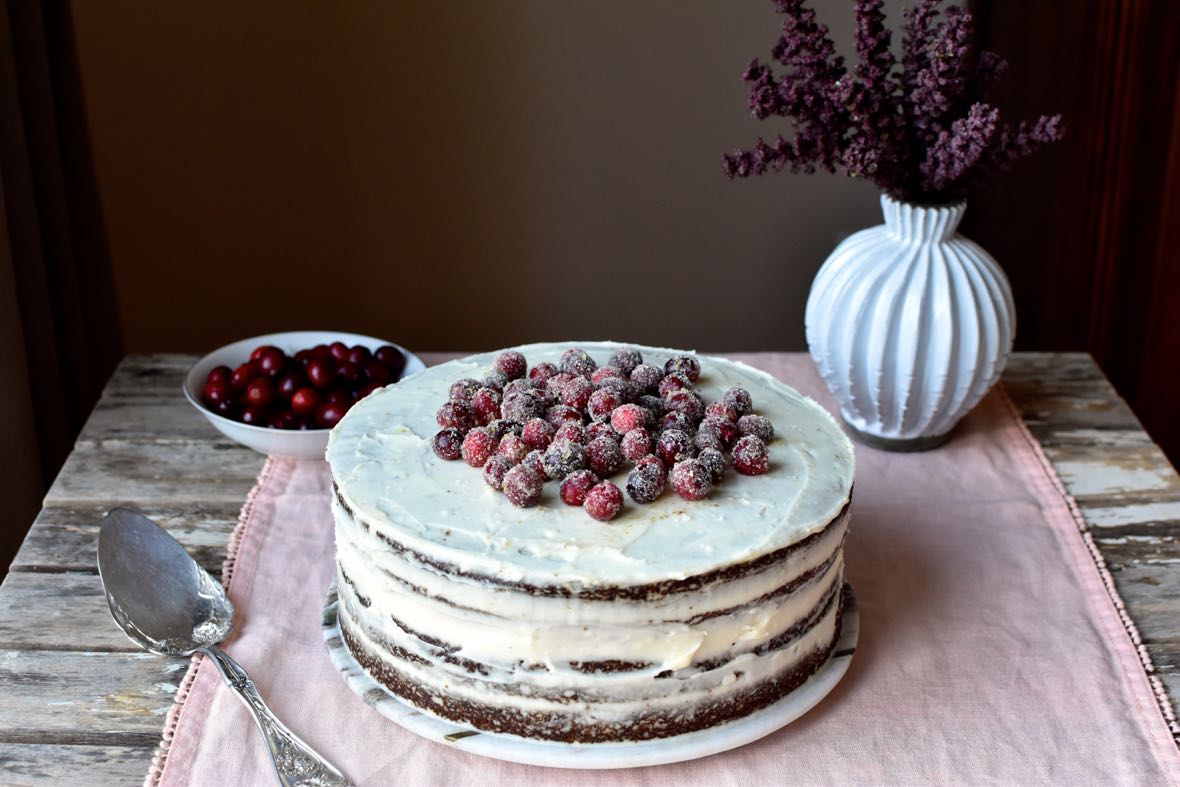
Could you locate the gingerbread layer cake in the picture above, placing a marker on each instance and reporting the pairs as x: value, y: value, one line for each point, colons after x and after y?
x: 544, y: 623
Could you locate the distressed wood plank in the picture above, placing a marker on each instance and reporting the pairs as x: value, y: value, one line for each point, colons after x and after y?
x: 72, y: 766
x: 58, y: 612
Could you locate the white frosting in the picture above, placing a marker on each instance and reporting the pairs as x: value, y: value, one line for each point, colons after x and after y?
x: 383, y: 463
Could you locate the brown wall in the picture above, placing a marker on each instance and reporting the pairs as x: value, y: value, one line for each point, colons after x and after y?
x: 448, y: 175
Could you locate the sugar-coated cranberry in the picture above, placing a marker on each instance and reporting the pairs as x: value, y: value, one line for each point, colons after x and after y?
x: 240, y: 377
x: 687, y: 365
x: 485, y: 403
x: 673, y: 382
x: 604, y: 501
x: 625, y: 359
x: 714, y: 461
x: 555, y: 383
x: 522, y: 384
x: 576, y: 393
x: 286, y: 420
x: 255, y: 416
x: 654, y: 461
x: 646, y: 376
x: 636, y: 444
x: 560, y: 413
x: 654, y: 406
x: 523, y: 406
x: 576, y: 485
x: 604, y: 456
x: 646, y: 481
x: 219, y: 374
x: 522, y: 486
x: 321, y: 372
x: 538, y: 434
x: 512, y: 448
x: 348, y: 374
x: 534, y: 461
x: 501, y: 427
x: 604, y: 373
x: 257, y: 352
x: 290, y: 382
x: 756, y: 425
x: 376, y: 372
x: 686, y: 402
x: 727, y: 430
x: 691, y: 480
x: 305, y: 401
x: 722, y: 409
x: 627, y: 417
x: 338, y: 396
x: 512, y: 364
x: 674, y: 446
x: 217, y: 391
x: 542, y: 372
x: 626, y: 390
x: 448, y: 444
x: 675, y: 420
x: 602, y: 403
x: 739, y: 399
x: 577, y: 361
x: 495, y: 469
x: 562, y: 458
x: 391, y: 357
x: 709, y: 436
x: 457, y: 415
x: 462, y: 390
x: 573, y: 431
x: 260, y: 392
x: 478, y: 445
x: 601, y: 429
x: 494, y: 378
x: 750, y: 456
x: 329, y: 414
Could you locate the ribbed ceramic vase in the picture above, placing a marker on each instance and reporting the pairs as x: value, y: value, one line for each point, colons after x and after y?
x: 910, y: 324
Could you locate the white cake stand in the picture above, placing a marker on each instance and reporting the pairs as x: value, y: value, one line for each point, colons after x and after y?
x: 630, y: 754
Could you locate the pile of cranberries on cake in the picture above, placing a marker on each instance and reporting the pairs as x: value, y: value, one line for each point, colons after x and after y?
x: 311, y: 389
x: 578, y: 424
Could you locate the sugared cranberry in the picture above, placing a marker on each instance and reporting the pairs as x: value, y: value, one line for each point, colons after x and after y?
x: 577, y: 361
x: 485, y: 403
x: 377, y: 372
x: 604, y: 373
x: 626, y: 390
x: 523, y: 406
x: 602, y: 403
x: 512, y: 364
x: 601, y: 429
x: 255, y: 416
x: 305, y: 401
x: 604, y: 501
x: 625, y: 359
x: 572, y: 431
x: 604, y: 456
x: 339, y: 351
x: 463, y: 390
x: 457, y: 415
x: 654, y: 405
x: 654, y: 461
x: 727, y: 430
x: 538, y: 434
x: 272, y: 361
x: 329, y: 414
x: 542, y: 372
x: 240, y: 377
x: 391, y: 357
x: 260, y: 392
x: 673, y: 382
x: 646, y: 376
x: 721, y: 409
x: 560, y: 413
x: 494, y: 378
x: 686, y: 402
x: 750, y: 456
x: 709, y: 436
x: 757, y: 425
x: 219, y: 374
x: 522, y: 486
x: 321, y: 372
x: 628, y: 417
x: 636, y: 444
x: 218, y: 391
x: 448, y: 444
x: 555, y: 383
x: 576, y: 485
x: 739, y: 399
x: 675, y: 420
x: 576, y: 393
x: 522, y: 384
x: 562, y: 458
x: 359, y: 355
x: 478, y: 445
x: 495, y: 469
x: 502, y: 427
x: 687, y: 365
x: 534, y: 461
x: 674, y: 446
x: 691, y: 480
x: 512, y: 448
x: 714, y: 461
x: 646, y: 481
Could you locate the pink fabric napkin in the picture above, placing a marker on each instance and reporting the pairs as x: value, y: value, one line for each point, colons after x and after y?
x: 992, y: 649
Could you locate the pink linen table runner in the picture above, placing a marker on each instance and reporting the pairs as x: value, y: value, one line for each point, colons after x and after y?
x: 992, y: 646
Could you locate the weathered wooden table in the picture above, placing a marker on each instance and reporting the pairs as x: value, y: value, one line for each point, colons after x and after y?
x: 80, y: 705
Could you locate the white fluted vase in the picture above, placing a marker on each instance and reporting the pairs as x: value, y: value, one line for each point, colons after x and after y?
x: 910, y: 324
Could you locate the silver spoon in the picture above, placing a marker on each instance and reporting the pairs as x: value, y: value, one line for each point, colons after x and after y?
x: 168, y: 604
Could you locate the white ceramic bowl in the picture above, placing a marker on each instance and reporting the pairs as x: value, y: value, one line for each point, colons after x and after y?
x: 309, y: 444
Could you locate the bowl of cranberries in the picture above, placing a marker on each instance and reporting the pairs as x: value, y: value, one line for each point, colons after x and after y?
x: 283, y: 392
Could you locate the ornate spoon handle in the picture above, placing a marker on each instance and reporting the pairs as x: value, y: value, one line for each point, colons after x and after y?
x: 296, y: 763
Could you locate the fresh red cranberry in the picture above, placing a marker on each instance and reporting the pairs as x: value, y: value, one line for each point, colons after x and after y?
x: 739, y: 399
x: 219, y: 374
x: 625, y: 359
x: 286, y: 419
x: 636, y: 444
x: 215, y: 392
x: 463, y: 390
x: 512, y: 447
x: 627, y: 417
x: 674, y: 446
x: 601, y: 429
x: 572, y: 431
x: 457, y: 415
x: 522, y: 486
x: 304, y: 357
x: 756, y: 425
x: 376, y: 372
x: 714, y: 461
x: 272, y: 361
x: 478, y: 445
x: 485, y: 403
x: 339, y: 351
x: 291, y: 382
x: 338, y: 396
x: 576, y: 485
x: 604, y: 501
x: 523, y: 406
x: 604, y: 456
x: 257, y: 352
x: 675, y: 420
x: 349, y: 374
x: 602, y: 403
x: 577, y: 361
x: 686, y: 402
x: 646, y: 481
x: 322, y: 351
x: 512, y: 364
x: 534, y: 461
x: 560, y: 413
x: 227, y: 408
x: 391, y: 357
x: 305, y: 401
x: 538, y: 434
x: 329, y: 414
x: 367, y: 389
x: 672, y: 383
x: 687, y: 365
x: 561, y: 458
x: 495, y: 469
x: 727, y: 430
x: 321, y: 372
x: 360, y: 355
x: 448, y: 444
x: 750, y: 456
x: 255, y: 416
x: 576, y: 393
x: 722, y: 409
x: 260, y: 392
x: 240, y: 377
x: 604, y: 373
x: 542, y: 372
x: 646, y: 376
x: 691, y: 480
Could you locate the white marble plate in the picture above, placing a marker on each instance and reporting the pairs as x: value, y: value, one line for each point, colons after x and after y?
x: 629, y: 754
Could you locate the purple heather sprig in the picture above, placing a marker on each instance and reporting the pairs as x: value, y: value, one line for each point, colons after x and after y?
x: 921, y: 131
